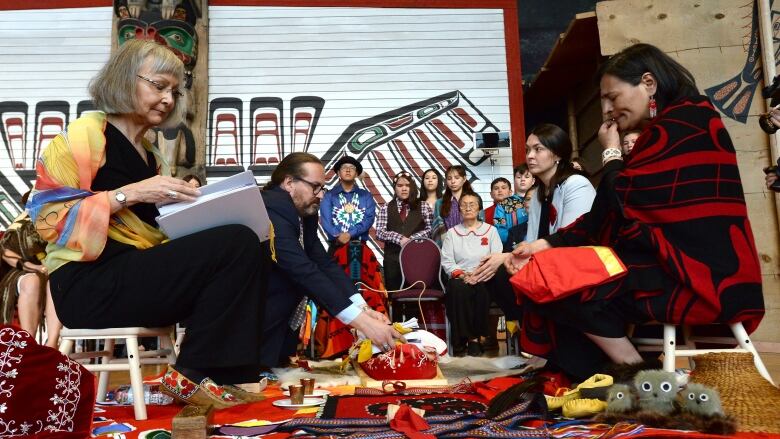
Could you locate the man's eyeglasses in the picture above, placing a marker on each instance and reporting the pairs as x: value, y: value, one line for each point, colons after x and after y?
x: 315, y: 187
x: 162, y: 88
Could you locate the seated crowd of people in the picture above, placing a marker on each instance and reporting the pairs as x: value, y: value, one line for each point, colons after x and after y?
x: 669, y: 203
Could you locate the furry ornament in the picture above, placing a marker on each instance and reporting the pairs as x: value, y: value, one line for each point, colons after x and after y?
x: 699, y: 399
x: 697, y: 407
x: 657, y: 391
x: 621, y: 398
x: 701, y: 408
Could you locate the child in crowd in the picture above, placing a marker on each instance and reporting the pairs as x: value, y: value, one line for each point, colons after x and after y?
x: 401, y: 220
x: 432, y: 187
x: 446, y: 213
x: 506, y: 214
x: 629, y: 139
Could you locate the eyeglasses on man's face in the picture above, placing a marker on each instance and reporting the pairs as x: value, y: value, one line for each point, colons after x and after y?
x: 161, y: 88
x: 315, y: 187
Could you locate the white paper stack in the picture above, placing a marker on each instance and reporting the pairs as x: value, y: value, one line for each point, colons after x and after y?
x: 234, y: 200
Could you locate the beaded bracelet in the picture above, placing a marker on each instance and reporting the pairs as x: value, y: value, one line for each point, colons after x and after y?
x: 610, y: 154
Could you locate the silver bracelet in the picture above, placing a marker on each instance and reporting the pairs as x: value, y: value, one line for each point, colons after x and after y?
x: 610, y: 154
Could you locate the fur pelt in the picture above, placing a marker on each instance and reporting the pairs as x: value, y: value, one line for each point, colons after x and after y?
x: 327, y: 373
x: 625, y: 373
x: 724, y: 425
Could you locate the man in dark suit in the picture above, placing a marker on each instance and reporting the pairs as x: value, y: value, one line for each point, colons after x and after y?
x: 303, y: 267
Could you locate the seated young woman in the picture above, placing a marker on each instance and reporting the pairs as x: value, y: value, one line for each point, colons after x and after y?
x: 467, y: 301
x: 674, y: 212
x: 562, y: 194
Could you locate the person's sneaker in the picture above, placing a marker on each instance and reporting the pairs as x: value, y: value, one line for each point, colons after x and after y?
x: 474, y: 349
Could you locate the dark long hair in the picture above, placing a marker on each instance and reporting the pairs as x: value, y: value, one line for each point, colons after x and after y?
x: 291, y: 165
x: 674, y: 80
x: 446, y: 201
x: 414, y: 201
x: 556, y: 140
x: 439, y: 186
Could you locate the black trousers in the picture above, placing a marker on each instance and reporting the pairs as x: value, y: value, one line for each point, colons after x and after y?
x: 391, y: 267
x: 214, y: 281
x: 279, y: 340
x: 503, y: 295
x: 467, y: 310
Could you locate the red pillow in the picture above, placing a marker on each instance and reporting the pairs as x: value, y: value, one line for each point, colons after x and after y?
x: 42, y: 392
x: 559, y: 272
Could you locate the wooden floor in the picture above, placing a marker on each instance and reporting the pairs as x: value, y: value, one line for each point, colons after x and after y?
x: 772, y: 362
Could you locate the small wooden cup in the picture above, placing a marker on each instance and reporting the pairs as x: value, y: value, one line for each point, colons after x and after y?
x: 308, y: 386
x: 296, y: 393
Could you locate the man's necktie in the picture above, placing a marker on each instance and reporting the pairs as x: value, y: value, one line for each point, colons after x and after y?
x: 299, y: 315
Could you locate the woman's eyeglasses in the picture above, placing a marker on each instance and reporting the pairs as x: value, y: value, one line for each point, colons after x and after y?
x: 162, y: 88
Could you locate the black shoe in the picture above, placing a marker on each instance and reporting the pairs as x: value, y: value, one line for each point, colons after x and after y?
x: 490, y: 343
x: 474, y: 349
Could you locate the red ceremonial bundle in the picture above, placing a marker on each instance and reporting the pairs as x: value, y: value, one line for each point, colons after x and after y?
x: 405, y: 362
x: 558, y: 272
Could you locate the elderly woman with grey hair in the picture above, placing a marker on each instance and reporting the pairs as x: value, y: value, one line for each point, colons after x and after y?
x: 98, y: 184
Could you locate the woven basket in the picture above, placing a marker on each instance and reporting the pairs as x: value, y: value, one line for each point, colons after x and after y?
x: 745, y: 394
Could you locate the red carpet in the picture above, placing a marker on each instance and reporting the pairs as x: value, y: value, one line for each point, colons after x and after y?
x: 120, y: 419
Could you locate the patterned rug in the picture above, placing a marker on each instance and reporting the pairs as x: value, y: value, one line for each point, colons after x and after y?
x: 375, y: 407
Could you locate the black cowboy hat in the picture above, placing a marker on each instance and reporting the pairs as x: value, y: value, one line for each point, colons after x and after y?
x: 348, y: 160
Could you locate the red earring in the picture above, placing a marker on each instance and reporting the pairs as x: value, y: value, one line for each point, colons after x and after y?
x: 653, y: 107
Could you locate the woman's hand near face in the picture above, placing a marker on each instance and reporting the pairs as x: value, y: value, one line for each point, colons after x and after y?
x: 159, y: 189
x: 609, y: 137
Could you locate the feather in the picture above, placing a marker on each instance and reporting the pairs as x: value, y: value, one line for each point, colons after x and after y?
x: 511, y: 396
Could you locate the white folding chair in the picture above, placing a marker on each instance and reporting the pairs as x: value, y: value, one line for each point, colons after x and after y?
x: 108, y: 363
x: 672, y: 350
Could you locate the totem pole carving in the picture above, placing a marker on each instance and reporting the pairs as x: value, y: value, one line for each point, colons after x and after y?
x: 174, y: 24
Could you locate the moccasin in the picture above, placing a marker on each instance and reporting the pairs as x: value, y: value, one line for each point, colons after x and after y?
x: 206, y: 393
x: 583, y: 408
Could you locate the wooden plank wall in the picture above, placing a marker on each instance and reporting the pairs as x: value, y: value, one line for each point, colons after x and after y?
x: 712, y: 39
x: 48, y: 57
x: 363, y: 65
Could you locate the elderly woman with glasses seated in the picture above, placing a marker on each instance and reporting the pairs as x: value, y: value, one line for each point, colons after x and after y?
x: 95, y: 201
x: 468, y: 301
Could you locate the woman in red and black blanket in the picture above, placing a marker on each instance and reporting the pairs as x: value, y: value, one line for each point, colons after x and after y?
x: 673, y: 210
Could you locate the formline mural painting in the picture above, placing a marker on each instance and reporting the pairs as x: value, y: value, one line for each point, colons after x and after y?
x: 406, y: 129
